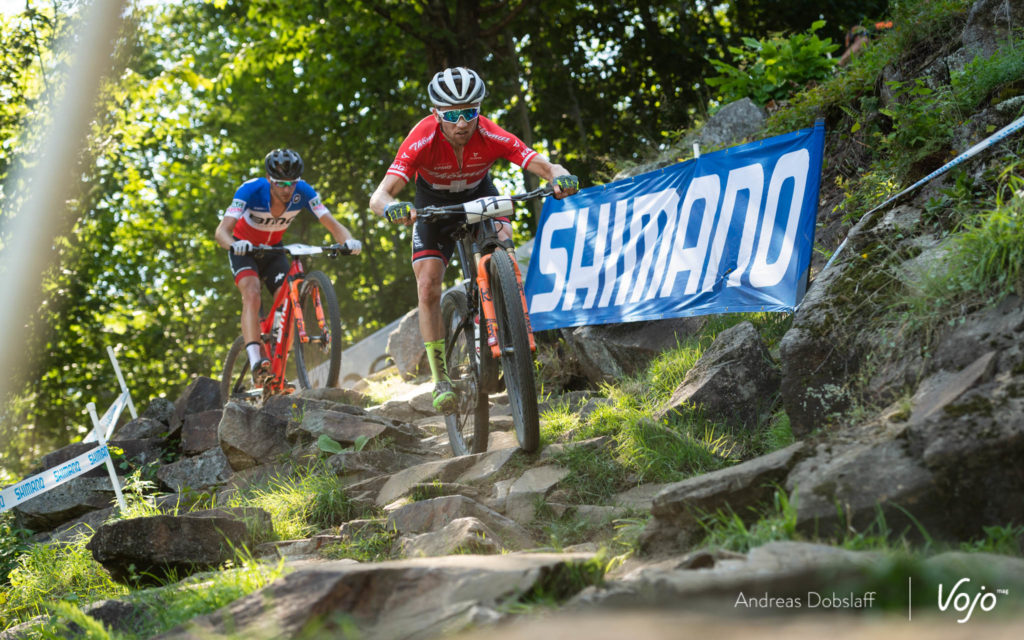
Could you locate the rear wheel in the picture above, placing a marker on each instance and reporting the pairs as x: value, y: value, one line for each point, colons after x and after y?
x: 467, y: 427
x: 236, y: 380
x: 516, y: 357
x: 318, y: 352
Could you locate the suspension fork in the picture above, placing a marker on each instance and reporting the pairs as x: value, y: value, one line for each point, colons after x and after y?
x: 483, y: 283
x: 522, y: 296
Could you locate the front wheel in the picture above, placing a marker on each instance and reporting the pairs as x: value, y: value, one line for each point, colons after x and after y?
x: 236, y: 380
x: 468, y: 426
x: 318, y: 348
x: 516, y: 356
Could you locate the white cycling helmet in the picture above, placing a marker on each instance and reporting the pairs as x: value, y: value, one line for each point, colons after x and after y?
x: 457, y: 85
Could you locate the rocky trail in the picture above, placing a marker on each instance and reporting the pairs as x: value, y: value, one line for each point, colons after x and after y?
x: 465, y: 543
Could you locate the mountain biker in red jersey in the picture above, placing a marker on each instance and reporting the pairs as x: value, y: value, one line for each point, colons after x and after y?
x: 450, y: 153
x: 259, y: 214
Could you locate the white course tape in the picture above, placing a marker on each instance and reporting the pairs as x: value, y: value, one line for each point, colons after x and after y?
x: 973, y: 151
x: 38, y: 484
x: 28, y: 488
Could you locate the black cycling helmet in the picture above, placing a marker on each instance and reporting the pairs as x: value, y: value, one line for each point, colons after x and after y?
x: 283, y: 164
x: 457, y: 85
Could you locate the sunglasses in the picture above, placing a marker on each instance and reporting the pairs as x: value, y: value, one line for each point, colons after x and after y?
x: 453, y: 115
x: 282, y: 183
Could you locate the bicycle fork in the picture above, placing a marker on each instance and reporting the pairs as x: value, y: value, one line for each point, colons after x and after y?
x: 483, y: 283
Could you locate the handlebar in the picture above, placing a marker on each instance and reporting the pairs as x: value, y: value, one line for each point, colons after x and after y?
x: 331, y: 251
x: 486, y: 207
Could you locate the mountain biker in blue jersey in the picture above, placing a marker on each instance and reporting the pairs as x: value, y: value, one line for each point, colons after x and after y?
x: 259, y: 214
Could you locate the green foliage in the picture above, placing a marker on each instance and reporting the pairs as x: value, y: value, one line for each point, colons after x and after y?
x: 364, y: 547
x: 13, y: 543
x: 594, y: 474
x: 328, y: 445
x: 982, y: 263
x: 50, y: 573
x: 1007, y: 540
x: 775, y: 67
x: 560, y: 583
x: 177, y: 603
x: 725, y: 529
x: 302, y: 503
x: 670, y: 447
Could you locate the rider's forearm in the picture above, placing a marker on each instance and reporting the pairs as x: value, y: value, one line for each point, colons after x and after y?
x: 380, y: 200
x: 544, y: 168
x: 223, y: 234
x: 338, y: 231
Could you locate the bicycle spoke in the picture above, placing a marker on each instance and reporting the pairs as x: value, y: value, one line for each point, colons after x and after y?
x: 318, y: 347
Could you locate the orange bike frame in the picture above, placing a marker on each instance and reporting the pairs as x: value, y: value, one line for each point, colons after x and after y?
x: 287, y: 296
x: 483, y: 282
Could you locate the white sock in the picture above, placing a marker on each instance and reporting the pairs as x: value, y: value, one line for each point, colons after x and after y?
x: 255, y: 354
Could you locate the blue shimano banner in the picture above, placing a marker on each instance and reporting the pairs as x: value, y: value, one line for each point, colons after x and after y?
x: 729, y: 231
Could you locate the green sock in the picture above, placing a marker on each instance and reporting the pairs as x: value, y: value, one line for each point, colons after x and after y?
x: 435, y: 356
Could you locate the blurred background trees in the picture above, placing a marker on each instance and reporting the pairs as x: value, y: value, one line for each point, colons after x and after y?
x: 200, y: 90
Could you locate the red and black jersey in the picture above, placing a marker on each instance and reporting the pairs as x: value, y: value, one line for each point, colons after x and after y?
x: 426, y: 152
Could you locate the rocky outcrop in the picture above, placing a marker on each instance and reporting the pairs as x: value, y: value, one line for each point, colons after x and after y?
x: 415, y: 598
x: 735, y: 380
x: 154, y: 548
x: 612, y: 351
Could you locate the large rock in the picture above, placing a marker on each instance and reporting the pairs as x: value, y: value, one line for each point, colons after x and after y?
x: 200, y: 472
x: 405, y: 345
x: 729, y: 125
x: 397, y: 600
x: 401, y: 483
x: 732, y: 123
x: 462, y: 535
x: 845, y: 487
x: 151, y: 549
x: 679, y: 507
x: 368, y: 463
x: 434, y: 514
x: 202, y: 394
x: 250, y: 437
x: 142, y: 428
x: 199, y: 432
x: 734, y: 381
x: 530, y: 488
x: 159, y: 409
x: 138, y: 453
x: 819, y: 352
x: 68, y: 501
x: 610, y: 352
x: 990, y: 25
x: 346, y: 428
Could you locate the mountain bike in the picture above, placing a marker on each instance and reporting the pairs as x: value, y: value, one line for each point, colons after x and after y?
x: 304, y: 317
x: 486, y: 323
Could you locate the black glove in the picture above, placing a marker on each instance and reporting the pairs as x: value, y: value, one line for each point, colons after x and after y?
x: 398, y: 211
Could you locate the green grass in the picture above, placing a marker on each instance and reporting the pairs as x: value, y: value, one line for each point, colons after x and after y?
x: 309, y: 500
x: 365, y: 547
x: 45, y: 574
x: 655, y: 448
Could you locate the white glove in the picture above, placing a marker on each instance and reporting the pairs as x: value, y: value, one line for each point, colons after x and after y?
x: 241, y: 247
x: 353, y: 246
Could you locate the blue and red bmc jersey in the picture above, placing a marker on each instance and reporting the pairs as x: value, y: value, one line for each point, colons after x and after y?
x: 427, y: 152
x: 251, y: 205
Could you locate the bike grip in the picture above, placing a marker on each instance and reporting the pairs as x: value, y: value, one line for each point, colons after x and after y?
x: 567, y: 182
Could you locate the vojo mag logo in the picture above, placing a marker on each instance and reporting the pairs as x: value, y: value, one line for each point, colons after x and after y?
x: 960, y: 601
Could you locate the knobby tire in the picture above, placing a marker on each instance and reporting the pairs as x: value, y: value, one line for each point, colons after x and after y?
x: 236, y: 380
x: 472, y: 412
x: 324, y: 346
x: 516, y: 357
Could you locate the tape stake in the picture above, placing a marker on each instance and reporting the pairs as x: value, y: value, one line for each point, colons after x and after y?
x: 120, y: 381
x: 98, y: 430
